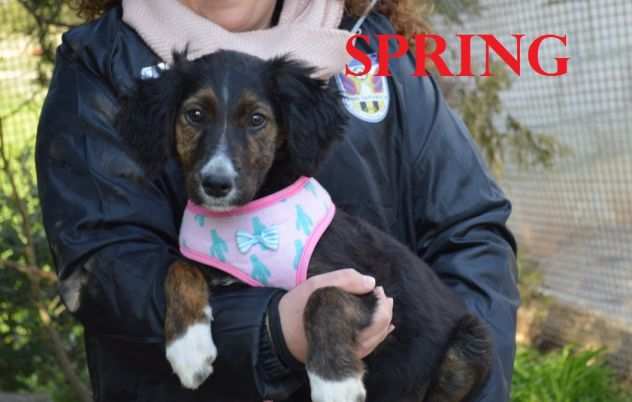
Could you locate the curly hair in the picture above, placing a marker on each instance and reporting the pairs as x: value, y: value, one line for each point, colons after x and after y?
x: 91, y: 9
x: 407, y: 16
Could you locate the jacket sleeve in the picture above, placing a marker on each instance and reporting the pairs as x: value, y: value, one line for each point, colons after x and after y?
x: 113, y: 233
x: 460, y: 218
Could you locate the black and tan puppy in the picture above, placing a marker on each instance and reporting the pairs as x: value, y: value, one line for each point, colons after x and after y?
x: 243, y: 128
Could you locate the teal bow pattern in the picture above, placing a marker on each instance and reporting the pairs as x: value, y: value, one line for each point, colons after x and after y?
x: 199, y: 219
x: 260, y: 272
x: 219, y: 248
x: 311, y: 187
x: 298, y: 248
x: 303, y: 221
x: 267, y: 237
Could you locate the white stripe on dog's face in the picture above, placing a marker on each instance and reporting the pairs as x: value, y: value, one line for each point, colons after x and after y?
x: 220, y: 161
x: 219, y: 164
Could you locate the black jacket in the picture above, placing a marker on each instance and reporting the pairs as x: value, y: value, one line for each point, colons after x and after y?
x: 416, y: 174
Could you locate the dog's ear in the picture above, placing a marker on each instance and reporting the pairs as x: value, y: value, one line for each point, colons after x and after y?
x: 147, y: 117
x: 309, y: 110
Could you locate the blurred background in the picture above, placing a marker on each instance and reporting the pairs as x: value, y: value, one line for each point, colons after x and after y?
x: 560, y: 147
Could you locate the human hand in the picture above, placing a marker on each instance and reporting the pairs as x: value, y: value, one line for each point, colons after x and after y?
x: 292, y: 305
x: 370, y: 337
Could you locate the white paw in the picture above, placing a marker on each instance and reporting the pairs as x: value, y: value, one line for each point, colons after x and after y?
x: 347, y: 390
x: 192, y: 355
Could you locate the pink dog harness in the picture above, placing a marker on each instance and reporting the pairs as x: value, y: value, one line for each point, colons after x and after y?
x: 267, y: 242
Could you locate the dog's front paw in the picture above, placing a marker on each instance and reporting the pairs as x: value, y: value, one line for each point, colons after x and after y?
x: 192, y: 355
x: 350, y: 389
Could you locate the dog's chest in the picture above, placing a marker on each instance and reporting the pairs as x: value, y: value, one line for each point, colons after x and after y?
x: 268, y: 242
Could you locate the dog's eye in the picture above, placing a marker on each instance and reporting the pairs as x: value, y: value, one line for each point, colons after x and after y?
x: 195, y: 116
x: 257, y: 120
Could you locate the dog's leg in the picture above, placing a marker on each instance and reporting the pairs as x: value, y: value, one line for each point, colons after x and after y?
x: 190, y: 348
x: 333, y: 319
x: 465, y: 365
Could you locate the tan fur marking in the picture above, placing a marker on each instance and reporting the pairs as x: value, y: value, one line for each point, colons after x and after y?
x: 187, y: 296
x: 259, y: 150
x: 187, y: 136
x: 456, y: 378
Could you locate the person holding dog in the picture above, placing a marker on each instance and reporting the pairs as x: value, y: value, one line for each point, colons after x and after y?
x: 408, y: 166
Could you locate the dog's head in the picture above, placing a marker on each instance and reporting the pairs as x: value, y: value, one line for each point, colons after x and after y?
x: 229, y: 118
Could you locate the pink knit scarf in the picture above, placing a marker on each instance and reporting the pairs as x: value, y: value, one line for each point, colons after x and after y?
x: 307, y: 29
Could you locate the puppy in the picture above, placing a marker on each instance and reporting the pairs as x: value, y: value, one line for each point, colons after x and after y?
x: 243, y: 128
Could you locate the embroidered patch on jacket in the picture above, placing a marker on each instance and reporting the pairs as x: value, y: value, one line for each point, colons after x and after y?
x: 366, y: 97
x: 152, y: 72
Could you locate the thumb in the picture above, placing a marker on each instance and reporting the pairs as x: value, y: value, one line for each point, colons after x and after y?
x: 347, y: 279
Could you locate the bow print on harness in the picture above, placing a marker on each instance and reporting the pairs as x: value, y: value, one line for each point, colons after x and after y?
x: 266, y: 237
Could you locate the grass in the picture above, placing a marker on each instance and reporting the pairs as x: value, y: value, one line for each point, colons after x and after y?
x: 564, y: 376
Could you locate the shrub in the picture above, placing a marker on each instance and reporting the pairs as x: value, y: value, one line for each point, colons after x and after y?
x: 565, y: 375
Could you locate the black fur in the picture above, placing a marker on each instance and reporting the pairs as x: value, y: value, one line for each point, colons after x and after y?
x: 430, y: 321
x: 145, y: 117
x: 309, y: 113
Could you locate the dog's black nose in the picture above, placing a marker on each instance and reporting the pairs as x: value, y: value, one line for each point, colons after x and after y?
x: 216, y: 185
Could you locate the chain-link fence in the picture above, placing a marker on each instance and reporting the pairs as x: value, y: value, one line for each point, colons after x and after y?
x: 574, y: 221
x: 21, y: 91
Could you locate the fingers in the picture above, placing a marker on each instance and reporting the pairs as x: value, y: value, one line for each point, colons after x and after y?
x: 347, y: 279
x: 384, y: 310
x: 380, y: 327
x: 292, y: 304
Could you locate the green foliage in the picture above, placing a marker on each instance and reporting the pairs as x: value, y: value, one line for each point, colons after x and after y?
x: 454, y: 10
x: 481, y: 109
x: 27, y: 362
x: 564, y: 376
x: 501, y: 137
x: 42, y: 22
x: 31, y: 314
x: 529, y: 280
